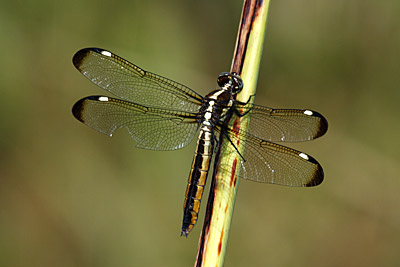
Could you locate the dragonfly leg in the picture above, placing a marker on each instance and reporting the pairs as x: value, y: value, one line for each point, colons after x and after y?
x: 237, y: 150
x: 239, y: 104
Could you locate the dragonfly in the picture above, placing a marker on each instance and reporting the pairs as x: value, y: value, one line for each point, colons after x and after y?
x: 161, y: 114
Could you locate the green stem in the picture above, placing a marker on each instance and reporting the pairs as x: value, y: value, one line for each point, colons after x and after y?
x: 246, y: 61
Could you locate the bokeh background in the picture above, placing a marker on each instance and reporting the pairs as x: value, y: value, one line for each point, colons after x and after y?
x: 70, y: 196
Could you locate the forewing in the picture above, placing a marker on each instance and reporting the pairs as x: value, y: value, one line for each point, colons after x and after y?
x: 151, y: 128
x: 285, y: 125
x: 131, y: 83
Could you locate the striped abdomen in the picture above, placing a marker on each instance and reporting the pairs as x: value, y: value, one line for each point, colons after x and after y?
x: 197, y: 178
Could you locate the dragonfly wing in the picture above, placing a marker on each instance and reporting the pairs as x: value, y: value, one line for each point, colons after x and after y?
x: 131, y: 83
x: 151, y: 128
x: 285, y: 125
x: 267, y: 162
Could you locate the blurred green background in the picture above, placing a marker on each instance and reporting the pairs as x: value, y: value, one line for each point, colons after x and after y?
x: 70, y: 196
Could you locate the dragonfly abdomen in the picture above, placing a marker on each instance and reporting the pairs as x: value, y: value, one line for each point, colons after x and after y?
x: 197, y: 178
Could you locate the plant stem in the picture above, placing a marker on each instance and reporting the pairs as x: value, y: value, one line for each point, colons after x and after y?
x: 246, y: 61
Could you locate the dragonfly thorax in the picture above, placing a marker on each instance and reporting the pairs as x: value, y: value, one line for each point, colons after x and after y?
x: 215, y: 105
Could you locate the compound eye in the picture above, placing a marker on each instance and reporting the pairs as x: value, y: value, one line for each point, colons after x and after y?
x: 223, y: 79
x: 231, y: 81
x: 237, y: 83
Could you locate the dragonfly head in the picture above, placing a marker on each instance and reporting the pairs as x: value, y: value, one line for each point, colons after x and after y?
x: 230, y: 81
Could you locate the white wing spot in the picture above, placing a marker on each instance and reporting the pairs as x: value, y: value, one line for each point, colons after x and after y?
x: 106, y: 53
x: 308, y: 112
x: 103, y: 98
x: 304, y: 156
